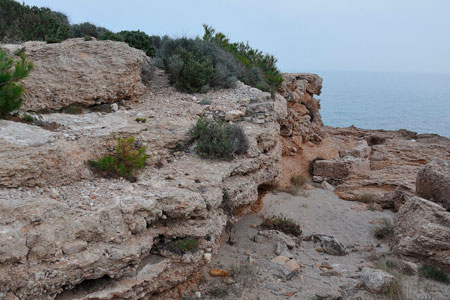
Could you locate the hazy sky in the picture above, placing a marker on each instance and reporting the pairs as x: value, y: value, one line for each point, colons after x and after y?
x: 305, y: 35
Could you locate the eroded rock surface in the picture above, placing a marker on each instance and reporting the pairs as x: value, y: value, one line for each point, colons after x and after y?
x: 67, y: 234
x: 83, y: 73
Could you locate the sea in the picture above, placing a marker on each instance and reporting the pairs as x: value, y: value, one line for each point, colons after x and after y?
x: 390, y: 101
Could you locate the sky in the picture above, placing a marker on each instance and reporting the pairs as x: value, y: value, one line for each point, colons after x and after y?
x: 305, y: 35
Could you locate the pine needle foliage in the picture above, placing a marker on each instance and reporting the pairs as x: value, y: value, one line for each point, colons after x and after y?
x: 11, y: 72
x: 124, y: 162
x: 259, y: 69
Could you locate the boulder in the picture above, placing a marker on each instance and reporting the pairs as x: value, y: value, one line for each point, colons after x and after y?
x: 83, y: 73
x: 330, y: 244
x: 433, y: 182
x: 422, y: 229
x: 376, y: 281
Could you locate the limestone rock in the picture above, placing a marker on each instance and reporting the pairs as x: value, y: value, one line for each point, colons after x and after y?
x: 84, y: 73
x: 422, y: 229
x: 433, y: 182
x: 376, y: 281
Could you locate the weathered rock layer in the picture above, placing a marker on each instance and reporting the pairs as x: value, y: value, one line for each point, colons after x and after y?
x: 67, y: 234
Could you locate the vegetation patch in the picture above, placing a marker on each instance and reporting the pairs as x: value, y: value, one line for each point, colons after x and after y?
x: 218, y: 139
x: 141, y: 120
x: 434, y: 273
x: 218, y: 292
x: 282, y: 224
x: 255, y: 68
x: 20, y: 22
x: 195, y: 65
x: 124, y: 162
x: 184, y: 245
x: 11, y: 72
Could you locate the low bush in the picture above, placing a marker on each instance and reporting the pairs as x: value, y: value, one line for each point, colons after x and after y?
x: 218, y: 139
x: 282, y: 224
x: 139, y: 40
x: 256, y: 68
x: 434, y: 273
x: 124, y: 162
x: 195, y: 65
x: 11, y: 72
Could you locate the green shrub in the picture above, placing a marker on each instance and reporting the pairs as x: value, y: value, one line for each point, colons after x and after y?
x: 434, y: 273
x: 20, y: 22
x: 259, y: 69
x: 282, y: 224
x: 218, y: 139
x: 195, y: 65
x: 11, y: 72
x: 123, y: 163
x: 139, y: 40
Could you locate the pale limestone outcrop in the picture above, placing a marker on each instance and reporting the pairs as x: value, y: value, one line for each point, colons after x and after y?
x: 433, y: 182
x: 422, y: 229
x: 67, y: 234
x: 83, y: 73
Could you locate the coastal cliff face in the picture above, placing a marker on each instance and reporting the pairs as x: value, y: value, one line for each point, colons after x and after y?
x: 68, y: 234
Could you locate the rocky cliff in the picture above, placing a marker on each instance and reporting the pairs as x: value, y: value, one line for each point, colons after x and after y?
x: 67, y: 234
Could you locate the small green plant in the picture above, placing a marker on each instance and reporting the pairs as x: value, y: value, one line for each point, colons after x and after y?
x: 87, y: 38
x: 141, y: 120
x: 434, y: 273
x: 28, y: 118
x: 218, y: 292
x: 384, y: 230
x: 282, y: 224
x: 181, y: 246
x: 123, y: 163
x: 218, y: 139
x: 11, y: 72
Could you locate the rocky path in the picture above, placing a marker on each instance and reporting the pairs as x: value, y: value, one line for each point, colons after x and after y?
x: 253, y: 261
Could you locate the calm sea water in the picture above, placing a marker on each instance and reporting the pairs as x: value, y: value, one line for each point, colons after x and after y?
x: 417, y: 102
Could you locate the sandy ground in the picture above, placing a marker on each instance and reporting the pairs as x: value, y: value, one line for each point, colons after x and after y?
x: 321, y: 276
